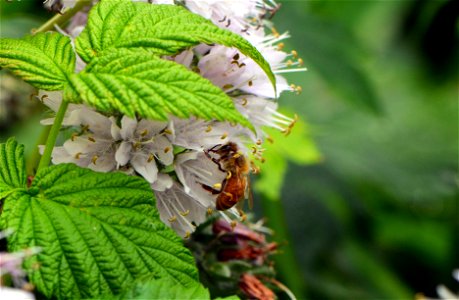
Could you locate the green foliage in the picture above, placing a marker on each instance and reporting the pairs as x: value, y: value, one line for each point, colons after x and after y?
x: 43, y: 60
x: 161, y: 29
x: 98, y: 232
x: 165, y: 289
x: 12, y: 169
x: 149, y: 86
x: 298, y: 148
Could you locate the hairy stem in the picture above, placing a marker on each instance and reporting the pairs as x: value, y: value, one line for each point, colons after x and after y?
x: 46, y: 158
x: 60, y: 19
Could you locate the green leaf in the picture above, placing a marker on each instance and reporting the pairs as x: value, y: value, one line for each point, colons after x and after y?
x: 166, y: 289
x: 12, y: 169
x: 43, y: 60
x: 99, y: 232
x: 150, y: 87
x: 161, y: 29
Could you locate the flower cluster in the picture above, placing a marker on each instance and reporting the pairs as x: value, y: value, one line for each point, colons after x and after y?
x: 237, y: 259
x: 182, y: 159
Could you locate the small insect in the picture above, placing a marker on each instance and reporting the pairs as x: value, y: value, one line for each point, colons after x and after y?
x: 234, y: 187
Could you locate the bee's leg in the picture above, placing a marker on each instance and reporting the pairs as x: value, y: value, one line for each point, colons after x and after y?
x: 216, y: 161
x: 211, y: 189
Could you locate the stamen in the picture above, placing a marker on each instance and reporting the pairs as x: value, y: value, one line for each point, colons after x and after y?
x: 295, y: 54
x: 91, y: 139
x: 167, y: 131
x: 236, y: 56
x: 237, y: 155
x: 151, y: 157
x: 209, y: 211
x: 44, y: 97
x: 77, y: 156
x: 227, y: 86
x: 244, y: 101
x: 228, y: 176
x: 185, y: 213
x: 224, y: 136
x: 250, y: 83
x: 144, y: 133
x: 74, y: 135
x: 172, y: 219
x: 137, y: 145
x: 187, y: 235
x: 280, y: 46
x: 167, y: 149
x: 94, y: 159
x: 217, y: 186
x: 233, y: 225
x: 209, y: 128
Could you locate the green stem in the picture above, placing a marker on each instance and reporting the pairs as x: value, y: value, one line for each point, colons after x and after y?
x: 46, y: 158
x: 34, y: 157
x: 60, y: 19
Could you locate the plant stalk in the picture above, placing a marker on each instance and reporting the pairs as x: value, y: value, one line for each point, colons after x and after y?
x: 60, y: 19
x: 52, y: 137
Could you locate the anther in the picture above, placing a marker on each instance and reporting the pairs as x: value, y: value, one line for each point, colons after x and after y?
x: 280, y: 46
x: 185, y: 213
x: 236, y: 56
x: 187, y: 235
x: 237, y: 155
x: 228, y: 23
x: 209, y: 128
x: 259, y: 142
x: 144, y: 133
x: 244, y: 101
x: 233, y: 225
x: 228, y: 176
x: 289, y: 63
x: 85, y: 128
x: 250, y: 82
x: 217, y: 186
x: 222, y: 20
x: 224, y: 136
x: 270, y: 139
x: 300, y: 61
x: 43, y: 98
x: 295, y: 54
x: 91, y: 139
x: 275, y: 33
x: 227, y: 86
x: 167, y: 149
x: 74, y: 135
x: 136, y: 145
x: 167, y: 131
x: 94, y: 159
x: 150, y: 158
x: 77, y: 156
x: 172, y: 219
x: 209, y: 211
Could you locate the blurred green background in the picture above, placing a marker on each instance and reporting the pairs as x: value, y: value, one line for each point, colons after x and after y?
x: 367, y: 182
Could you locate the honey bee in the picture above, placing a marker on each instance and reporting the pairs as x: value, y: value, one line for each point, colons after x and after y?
x: 234, y: 186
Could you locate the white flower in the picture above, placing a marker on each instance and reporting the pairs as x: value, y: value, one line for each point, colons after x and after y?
x: 197, y: 134
x: 179, y: 210
x: 95, y: 148
x: 142, y: 142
